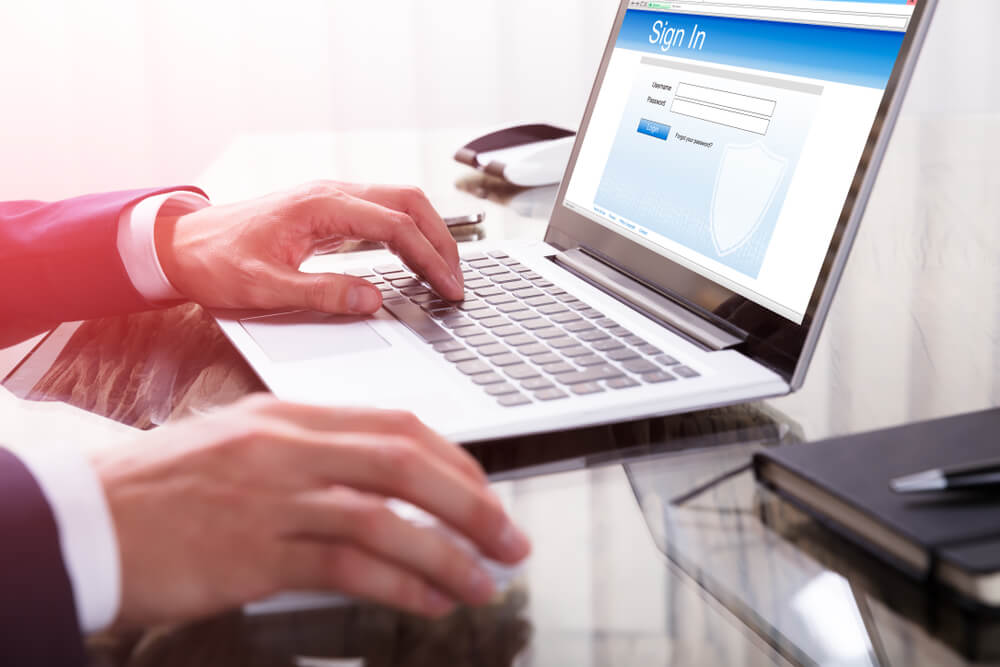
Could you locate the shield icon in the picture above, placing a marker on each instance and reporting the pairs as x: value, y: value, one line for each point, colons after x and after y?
x: 748, y: 180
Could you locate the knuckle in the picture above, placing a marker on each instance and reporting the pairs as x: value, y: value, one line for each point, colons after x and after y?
x: 414, y: 193
x: 403, y: 421
x: 404, y: 224
x: 396, y: 461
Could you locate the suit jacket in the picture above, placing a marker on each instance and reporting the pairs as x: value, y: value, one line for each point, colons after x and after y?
x: 38, y: 620
x: 59, y: 261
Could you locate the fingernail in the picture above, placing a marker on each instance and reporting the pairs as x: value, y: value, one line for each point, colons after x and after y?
x: 438, y: 604
x: 514, y: 543
x: 480, y: 587
x: 362, y: 300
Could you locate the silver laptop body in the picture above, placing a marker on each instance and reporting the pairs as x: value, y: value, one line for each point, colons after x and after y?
x: 717, y: 183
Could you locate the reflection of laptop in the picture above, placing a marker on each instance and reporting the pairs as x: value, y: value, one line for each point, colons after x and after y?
x: 716, y: 185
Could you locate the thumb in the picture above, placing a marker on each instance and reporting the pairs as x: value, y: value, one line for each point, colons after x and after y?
x: 327, y: 293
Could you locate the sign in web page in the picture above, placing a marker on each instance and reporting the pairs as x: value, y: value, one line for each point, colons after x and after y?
x: 729, y: 143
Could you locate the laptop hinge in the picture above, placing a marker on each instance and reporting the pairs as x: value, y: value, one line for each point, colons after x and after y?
x: 648, y: 301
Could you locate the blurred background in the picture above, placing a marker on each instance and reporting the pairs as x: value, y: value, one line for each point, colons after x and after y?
x: 110, y: 94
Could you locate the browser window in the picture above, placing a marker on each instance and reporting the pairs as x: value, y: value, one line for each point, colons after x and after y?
x: 726, y: 134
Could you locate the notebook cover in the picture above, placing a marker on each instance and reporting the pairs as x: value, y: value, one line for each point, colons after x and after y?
x: 962, y: 527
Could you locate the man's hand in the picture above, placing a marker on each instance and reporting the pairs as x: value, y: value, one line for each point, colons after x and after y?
x: 248, y: 255
x: 266, y: 496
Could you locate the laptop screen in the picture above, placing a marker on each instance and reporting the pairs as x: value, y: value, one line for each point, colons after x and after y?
x: 726, y: 134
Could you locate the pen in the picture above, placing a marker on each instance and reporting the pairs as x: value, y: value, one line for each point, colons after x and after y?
x: 973, y: 475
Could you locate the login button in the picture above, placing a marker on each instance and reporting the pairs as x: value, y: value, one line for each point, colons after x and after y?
x: 653, y: 129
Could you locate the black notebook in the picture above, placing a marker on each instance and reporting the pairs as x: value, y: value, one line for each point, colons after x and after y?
x: 951, y: 537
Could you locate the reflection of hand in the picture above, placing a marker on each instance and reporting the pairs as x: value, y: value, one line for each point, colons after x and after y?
x: 247, y: 255
x: 266, y: 496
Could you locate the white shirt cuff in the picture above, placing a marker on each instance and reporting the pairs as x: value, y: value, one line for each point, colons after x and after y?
x: 86, y: 531
x: 137, y: 242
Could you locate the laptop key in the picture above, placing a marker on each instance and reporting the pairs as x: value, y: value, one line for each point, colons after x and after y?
x: 521, y: 268
x: 482, y: 263
x: 495, y: 322
x: 501, y: 298
x: 485, y: 379
x: 521, y: 372
x: 481, y: 341
x: 587, y: 388
x: 589, y: 360
x: 403, y: 283
x: 658, y: 377
x: 537, y: 384
x: 423, y: 298
x: 593, y: 374
x: 592, y: 313
x: 388, y: 268
x: 493, y: 349
x: 565, y: 317
x: 575, y: 351
x: 634, y: 340
x: 521, y: 339
x: 516, y: 286
x: 575, y: 304
x: 483, y: 314
x: 666, y: 360
x: 501, y: 389
x: 686, y: 372
x: 524, y: 316
x: 526, y: 294
x: 558, y: 368
x: 477, y: 283
x: 514, y: 400
x: 494, y: 271
x: 415, y: 291
x: 508, y: 359
x: 472, y: 304
x: 650, y: 350
x: 457, y: 322
x: 498, y: 254
x: 640, y: 366
x: 416, y: 320
x: 578, y: 327
x: 623, y: 354
x: 551, y: 394
x: 545, y: 359
x: 474, y: 367
x: 593, y: 336
x: 535, y: 324
x: 505, y: 278
x: 460, y: 356
x: 607, y: 345
x: 553, y: 309
x: 606, y: 322
x: 622, y: 383
x: 620, y: 332
x: 533, y: 350
x: 448, y: 346
x: 469, y: 332
x: 563, y: 343
x: 474, y: 257
x: 507, y: 331
x: 549, y: 332
x: 488, y: 292
x: 537, y: 301
x: 513, y: 307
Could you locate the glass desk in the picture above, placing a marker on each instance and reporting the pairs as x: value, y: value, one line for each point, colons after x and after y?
x: 631, y: 566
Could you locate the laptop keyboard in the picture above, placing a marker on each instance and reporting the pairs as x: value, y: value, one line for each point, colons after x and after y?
x: 521, y: 338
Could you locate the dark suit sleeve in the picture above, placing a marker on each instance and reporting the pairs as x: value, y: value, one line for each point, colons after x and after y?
x: 38, y: 618
x: 59, y: 261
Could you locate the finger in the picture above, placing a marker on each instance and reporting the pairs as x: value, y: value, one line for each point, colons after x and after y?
x: 369, y: 420
x: 362, y: 519
x: 338, y: 213
x: 395, y: 467
x: 414, y: 203
x: 323, y: 292
x: 310, y: 565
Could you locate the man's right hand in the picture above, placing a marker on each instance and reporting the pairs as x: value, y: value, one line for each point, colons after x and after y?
x: 266, y: 496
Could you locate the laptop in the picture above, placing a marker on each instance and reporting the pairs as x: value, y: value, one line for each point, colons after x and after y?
x: 716, y: 185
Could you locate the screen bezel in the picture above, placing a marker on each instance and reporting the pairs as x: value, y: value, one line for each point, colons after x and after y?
x: 771, y: 339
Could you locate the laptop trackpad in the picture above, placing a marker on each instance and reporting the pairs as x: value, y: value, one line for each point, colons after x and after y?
x: 314, y: 336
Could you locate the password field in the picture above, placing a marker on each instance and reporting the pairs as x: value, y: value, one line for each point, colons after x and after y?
x: 713, y: 114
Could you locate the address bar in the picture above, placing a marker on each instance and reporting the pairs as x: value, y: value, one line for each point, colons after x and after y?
x: 837, y: 18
